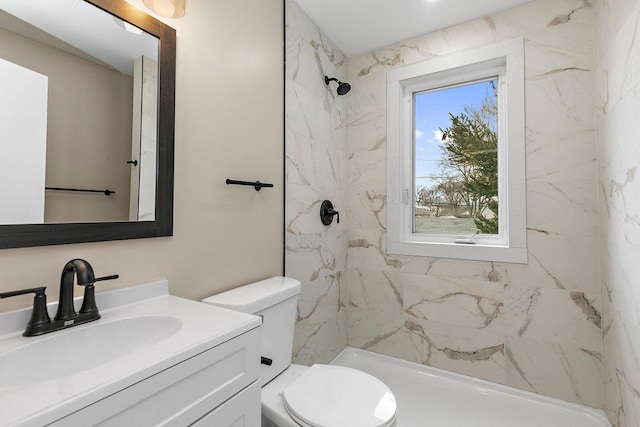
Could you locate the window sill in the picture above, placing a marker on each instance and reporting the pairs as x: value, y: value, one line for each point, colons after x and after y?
x: 477, y: 252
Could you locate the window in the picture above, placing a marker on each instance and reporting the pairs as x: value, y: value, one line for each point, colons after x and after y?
x: 456, y: 156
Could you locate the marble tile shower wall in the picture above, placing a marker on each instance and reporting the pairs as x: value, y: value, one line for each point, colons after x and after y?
x: 617, y: 47
x: 316, y: 169
x: 536, y: 326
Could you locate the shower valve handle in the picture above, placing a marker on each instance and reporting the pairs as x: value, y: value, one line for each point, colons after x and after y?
x: 327, y: 212
x: 336, y: 213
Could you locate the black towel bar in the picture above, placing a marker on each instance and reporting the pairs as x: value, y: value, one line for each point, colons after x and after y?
x: 105, y: 192
x: 257, y: 185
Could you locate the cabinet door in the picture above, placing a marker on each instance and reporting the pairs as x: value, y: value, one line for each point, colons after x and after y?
x: 242, y: 410
x: 182, y: 394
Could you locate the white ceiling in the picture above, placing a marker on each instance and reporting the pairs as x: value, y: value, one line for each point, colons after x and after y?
x: 360, y: 26
x: 84, y: 27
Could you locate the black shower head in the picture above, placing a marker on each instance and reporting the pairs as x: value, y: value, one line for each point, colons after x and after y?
x: 343, y: 87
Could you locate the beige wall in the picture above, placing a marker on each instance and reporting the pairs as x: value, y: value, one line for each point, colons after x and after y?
x: 88, y: 130
x: 229, y: 118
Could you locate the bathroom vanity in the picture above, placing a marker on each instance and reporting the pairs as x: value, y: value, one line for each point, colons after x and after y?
x: 152, y: 359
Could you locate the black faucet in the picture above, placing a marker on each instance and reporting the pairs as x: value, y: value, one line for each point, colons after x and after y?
x: 66, y: 316
x: 83, y: 270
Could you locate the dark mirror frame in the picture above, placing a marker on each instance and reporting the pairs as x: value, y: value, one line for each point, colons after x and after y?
x: 28, y: 235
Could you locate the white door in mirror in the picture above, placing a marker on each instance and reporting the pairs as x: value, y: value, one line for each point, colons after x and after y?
x: 23, y: 121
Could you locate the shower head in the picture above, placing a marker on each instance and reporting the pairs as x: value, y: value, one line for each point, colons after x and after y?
x: 343, y: 87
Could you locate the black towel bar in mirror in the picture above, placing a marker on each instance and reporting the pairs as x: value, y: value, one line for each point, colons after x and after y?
x: 105, y: 192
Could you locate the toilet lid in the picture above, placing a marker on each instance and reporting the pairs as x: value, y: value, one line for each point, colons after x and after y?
x: 330, y: 396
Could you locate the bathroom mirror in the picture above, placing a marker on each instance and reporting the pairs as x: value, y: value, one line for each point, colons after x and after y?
x: 88, y: 89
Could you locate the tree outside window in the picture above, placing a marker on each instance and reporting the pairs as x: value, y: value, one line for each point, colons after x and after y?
x: 456, y: 159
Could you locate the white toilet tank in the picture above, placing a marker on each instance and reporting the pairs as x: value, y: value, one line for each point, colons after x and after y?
x: 276, y: 301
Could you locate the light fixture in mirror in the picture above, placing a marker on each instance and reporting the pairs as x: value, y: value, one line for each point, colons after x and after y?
x: 100, y: 75
x: 167, y: 8
x: 128, y: 27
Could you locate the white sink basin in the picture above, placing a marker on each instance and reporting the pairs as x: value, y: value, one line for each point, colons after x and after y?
x: 81, y: 348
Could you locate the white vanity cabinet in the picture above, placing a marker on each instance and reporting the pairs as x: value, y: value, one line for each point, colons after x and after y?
x: 151, y: 360
x: 215, y: 388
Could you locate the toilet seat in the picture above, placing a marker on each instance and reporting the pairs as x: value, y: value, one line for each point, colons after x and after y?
x: 332, y: 396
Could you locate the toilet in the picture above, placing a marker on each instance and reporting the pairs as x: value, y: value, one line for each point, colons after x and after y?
x: 296, y: 395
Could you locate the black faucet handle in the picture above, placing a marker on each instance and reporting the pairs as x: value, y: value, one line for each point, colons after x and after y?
x: 103, y: 278
x: 37, y: 291
x: 39, y: 313
x: 89, y: 300
x: 99, y: 279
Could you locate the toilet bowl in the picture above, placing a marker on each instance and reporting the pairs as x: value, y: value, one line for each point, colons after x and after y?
x: 295, y: 395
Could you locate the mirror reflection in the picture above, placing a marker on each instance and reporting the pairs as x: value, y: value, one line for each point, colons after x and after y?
x: 78, y: 115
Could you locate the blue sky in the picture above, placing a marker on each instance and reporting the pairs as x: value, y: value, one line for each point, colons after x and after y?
x: 432, y: 113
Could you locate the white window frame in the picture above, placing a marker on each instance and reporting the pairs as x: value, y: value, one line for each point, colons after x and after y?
x: 505, y: 60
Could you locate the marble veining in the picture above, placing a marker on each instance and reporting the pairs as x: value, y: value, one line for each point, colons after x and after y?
x: 587, y: 308
x: 315, y: 170
x: 536, y: 326
x: 617, y: 55
x: 539, y: 326
x: 564, y: 18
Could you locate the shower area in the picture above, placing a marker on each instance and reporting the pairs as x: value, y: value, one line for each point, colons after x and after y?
x: 562, y: 325
x: 316, y: 157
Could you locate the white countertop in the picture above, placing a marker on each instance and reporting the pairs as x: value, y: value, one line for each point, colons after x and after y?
x: 38, y: 403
